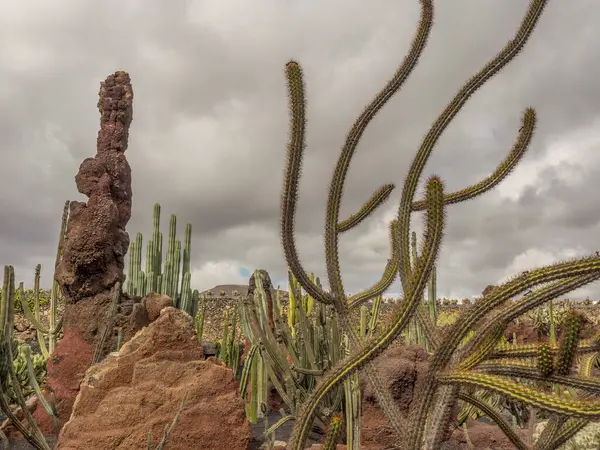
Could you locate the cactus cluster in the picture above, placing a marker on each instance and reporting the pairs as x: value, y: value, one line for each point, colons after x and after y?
x: 292, y: 346
x: 288, y: 352
x: 21, y: 369
x: 312, y: 353
x: 21, y: 372
x: 171, y: 277
x: 11, y: 374
x: 47, y: 334
x: 547, y: 317
x: 458, y: 367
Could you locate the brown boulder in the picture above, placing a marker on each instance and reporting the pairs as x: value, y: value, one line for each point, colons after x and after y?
x: 526, y: 334
x: 91, y: 316
x: 155, y: 303
x: 400, y: 368
x: 377, y: 435
x: 74, y: 352
x: 134, y: 394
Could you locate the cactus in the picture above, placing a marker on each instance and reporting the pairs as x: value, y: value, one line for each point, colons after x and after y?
x: 545, y: 361
x: 333, y: 433
x: 568, y: 345
x: 199, y: 319
x: 225, y: 336
x: 229, y: 347
x: 294, y: 357
x: 468, y: 357
x: 552, y: 323
x: 163, y: 278
x: 8, y: 377
x: 306, y: 301
x: 415, y: 333
x: 291, y: 312
x: 53, y: 328
x: 108, y: 325
x: 19, y: 371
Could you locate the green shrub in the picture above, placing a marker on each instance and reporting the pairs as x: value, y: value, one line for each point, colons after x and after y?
x: 44, y: 299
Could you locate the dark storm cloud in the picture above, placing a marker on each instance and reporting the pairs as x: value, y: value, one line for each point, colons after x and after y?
x: 210, y: 127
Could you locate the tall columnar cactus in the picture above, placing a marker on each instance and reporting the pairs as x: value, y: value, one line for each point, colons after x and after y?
x: 171, y: 277
x: 199, y: 318
x: 432, y: 296
x: 368, y: 321
x: 229, y: 348
x: 457, y: 367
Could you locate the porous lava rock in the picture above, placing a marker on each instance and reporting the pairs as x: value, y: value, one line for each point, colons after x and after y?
x: 96, y: 241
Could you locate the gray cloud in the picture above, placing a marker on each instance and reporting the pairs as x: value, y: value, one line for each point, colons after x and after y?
x: 210, y: 127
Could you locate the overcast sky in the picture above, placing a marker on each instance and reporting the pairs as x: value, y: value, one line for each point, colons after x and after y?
x: 211, y: 122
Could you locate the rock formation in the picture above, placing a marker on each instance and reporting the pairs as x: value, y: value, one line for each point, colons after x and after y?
x: 95, y: 244
x: 96, y: 241
x: 73, y: 355
x: 136, y: 393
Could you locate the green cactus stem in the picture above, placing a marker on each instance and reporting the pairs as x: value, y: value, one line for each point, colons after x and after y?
x: 170, y: 277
